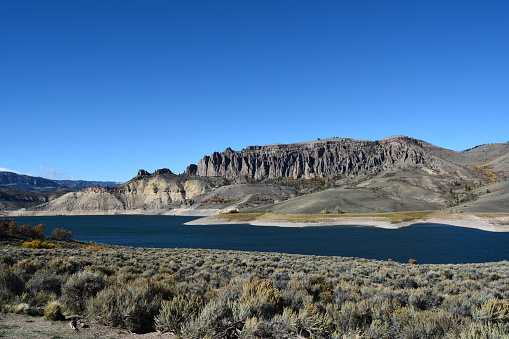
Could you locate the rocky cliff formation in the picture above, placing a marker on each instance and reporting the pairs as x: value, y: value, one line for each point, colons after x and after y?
x: 353, y: 176
x: 319, y: 159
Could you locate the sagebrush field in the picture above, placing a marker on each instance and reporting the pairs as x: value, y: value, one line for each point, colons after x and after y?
x: 197, y: 293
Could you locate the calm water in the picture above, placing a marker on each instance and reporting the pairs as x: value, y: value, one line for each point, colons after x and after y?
x: 427, y: 243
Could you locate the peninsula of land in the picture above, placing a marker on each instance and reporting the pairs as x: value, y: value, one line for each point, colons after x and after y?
x: 490, y: 223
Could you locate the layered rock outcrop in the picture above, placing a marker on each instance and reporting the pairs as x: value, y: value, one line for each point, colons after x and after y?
x: 161, y: 190
x: 319, y: 158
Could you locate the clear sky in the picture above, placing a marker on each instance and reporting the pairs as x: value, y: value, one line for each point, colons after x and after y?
x: 96, y: 90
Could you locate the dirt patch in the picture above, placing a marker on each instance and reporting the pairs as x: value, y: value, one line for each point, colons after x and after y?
x: 22, y: 327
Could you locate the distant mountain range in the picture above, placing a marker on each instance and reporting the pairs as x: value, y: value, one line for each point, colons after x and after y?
x: 337, y: 175
x: 10, y: 180
x: 24, y: 191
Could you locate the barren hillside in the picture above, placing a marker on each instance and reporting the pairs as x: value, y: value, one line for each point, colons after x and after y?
x: 343, y: 175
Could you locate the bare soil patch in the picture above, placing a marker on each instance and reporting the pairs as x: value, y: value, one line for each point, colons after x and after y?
x: 22, y: 326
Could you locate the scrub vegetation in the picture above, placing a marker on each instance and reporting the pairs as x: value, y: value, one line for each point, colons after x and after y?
x: 196, y: 293
x: 393, y: 217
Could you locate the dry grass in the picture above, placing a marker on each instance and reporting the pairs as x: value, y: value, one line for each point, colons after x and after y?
x: 391, y: 217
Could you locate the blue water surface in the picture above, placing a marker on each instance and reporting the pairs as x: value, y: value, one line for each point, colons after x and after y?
x: 427, y: 243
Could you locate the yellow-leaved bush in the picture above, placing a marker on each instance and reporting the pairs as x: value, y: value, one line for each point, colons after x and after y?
x: 38, y: 244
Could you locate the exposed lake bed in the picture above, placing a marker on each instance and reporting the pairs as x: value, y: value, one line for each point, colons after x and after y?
x: 500, y: 224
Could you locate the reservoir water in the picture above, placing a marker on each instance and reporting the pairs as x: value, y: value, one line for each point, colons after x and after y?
x: 427, y: 243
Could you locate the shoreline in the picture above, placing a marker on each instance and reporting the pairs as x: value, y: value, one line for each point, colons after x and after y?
x: 177, y: 211
x: 211, y: 217
x: 483, y: 224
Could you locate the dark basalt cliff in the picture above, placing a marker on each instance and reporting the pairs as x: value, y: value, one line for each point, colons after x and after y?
x: 321, y: 158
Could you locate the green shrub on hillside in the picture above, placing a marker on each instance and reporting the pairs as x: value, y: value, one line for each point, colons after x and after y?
x: 493, y: 311
x: 79, y: 288
x: 10, y: 286
x: 176, y: 312
x: 132, y: 306
x: 44, y: 281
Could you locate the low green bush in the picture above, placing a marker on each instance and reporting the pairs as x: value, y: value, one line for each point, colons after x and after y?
x: 485, y: 331
x: 10, y: 286
x: 493, y: 311
x: 53, y: 311
x: 45, y: 281
x: 313, y: 322
x: 174, y: 313
x: 79, y: 288
x: 132, y: 306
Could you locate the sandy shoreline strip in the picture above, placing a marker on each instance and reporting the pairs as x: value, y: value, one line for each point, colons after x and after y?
x: 478, y: 223
x: 361, y: 221
x: 176, y: 211
x: 210, y: 217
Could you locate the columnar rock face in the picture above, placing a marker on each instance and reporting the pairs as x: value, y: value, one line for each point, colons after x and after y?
x: 319, y: 158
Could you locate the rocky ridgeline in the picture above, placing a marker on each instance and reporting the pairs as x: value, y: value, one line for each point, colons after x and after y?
x: 396, y: 173
x: 321, y: 158
x: 14, y: 181
x: 144, y: 174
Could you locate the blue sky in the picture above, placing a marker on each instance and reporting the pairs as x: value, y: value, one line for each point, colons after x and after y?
x: 96, y: 90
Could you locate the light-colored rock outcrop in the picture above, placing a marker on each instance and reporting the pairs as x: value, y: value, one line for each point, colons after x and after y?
x: 321, y: 158
x: 146, y: 192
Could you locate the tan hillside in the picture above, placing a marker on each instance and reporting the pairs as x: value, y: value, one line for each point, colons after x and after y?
x: 352, y: 176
